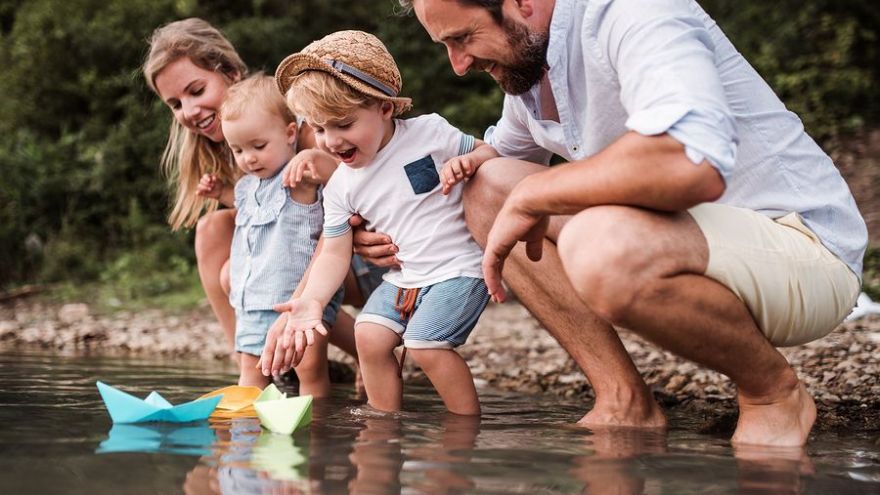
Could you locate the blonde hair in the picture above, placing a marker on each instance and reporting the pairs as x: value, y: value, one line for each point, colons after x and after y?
x: 320, y: 97
x: 257, y: 91
x: 188, y: 155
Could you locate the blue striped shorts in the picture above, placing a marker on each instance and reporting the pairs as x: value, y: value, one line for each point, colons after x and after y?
x: 444, y: 314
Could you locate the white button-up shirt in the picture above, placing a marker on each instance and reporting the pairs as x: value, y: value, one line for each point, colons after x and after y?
x: 664, y: 66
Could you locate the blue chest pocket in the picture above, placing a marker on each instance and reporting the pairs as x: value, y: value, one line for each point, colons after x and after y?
x: 422, y: 175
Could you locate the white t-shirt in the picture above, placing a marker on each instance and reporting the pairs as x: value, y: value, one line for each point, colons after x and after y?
x: 399, y: 194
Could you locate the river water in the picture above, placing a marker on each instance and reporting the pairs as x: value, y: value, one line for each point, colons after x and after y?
x: 56, y: 437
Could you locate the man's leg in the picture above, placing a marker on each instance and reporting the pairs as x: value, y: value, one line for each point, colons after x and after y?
x: 622, y: 398
x: 644, y: 270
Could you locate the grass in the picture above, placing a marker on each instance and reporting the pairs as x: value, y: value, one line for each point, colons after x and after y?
x: 871, y: 277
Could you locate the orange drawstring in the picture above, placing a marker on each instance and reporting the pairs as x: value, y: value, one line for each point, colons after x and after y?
x: 406, y: 304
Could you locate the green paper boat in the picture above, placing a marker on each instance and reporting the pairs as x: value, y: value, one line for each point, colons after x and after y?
x: 281, y: 414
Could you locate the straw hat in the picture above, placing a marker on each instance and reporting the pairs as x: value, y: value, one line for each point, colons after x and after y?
x: 356, y: 58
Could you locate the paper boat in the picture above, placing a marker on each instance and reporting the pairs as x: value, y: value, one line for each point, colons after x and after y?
x: 237, y: 402
x: 126, y: 408
x: 281, y: 414
x: 159, y: 438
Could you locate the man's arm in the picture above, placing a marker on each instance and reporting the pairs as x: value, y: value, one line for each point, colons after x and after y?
x: 645, y: 171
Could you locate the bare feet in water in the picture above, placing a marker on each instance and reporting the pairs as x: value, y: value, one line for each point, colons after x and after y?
x: 784, y: 421
x: 647, y: 415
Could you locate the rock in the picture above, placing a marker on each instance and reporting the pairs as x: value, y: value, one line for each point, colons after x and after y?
x: 72, y: 313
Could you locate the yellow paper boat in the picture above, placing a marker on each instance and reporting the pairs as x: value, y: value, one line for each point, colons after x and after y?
x: 237, y: 402
x: 281, y: 414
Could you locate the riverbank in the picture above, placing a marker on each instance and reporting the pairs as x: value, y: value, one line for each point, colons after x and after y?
x: 508, y: 350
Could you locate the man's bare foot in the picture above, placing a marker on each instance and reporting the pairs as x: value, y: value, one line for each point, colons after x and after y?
x: 647, y: 416
x: 782, y: 422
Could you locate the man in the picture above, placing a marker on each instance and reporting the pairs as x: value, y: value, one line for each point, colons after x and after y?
x: 693, y: 209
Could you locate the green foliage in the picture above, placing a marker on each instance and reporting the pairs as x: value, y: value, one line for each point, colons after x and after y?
x: 822, y: 57
x: 871, y: 275
x: 81, y: 197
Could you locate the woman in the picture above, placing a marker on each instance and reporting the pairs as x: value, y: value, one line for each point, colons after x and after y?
x: 190, y: 65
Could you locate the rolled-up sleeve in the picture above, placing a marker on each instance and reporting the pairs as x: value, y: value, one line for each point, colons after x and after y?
x: 663, y: 57
x: 511, y: 136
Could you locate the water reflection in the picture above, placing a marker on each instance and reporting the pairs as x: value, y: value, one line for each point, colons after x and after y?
x: 772, y: 470
x: 159, y: 438
x: 609, y: 464
x: 53, y: 423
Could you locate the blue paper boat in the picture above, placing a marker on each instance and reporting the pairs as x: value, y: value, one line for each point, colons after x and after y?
x: 195, y: 439
x: 126, y: 408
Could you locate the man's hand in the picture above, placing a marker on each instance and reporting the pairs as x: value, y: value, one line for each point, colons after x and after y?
x: 458, y: 169
x: 312, y: 165
x: 291, y: 333
x: 513, y: 224
x: 374, y: 247
x: 209, y: 187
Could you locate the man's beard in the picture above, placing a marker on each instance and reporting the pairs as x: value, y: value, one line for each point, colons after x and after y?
x: 530, y: 58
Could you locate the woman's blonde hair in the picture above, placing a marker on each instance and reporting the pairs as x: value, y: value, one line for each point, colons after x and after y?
x: 320, y: 97
x: 188, y: 155
x: 257, y: 91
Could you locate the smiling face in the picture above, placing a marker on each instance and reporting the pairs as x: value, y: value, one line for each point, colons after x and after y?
x: 356, y: 138
x: 193, y: 94
x: 510, y: 52
x: 261, y: 142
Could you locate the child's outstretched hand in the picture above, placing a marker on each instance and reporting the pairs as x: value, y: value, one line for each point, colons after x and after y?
x: 285, y: 349
x: 312, y: 166
x: 458, y: 169
x: 210, y: 187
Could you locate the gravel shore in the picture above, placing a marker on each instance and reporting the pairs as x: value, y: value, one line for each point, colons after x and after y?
x: 508, y: 350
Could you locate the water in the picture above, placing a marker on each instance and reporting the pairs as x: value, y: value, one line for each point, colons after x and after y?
x: 56, y: 437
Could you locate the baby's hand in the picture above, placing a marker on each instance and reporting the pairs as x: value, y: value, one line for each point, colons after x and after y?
x: 209, y: 187
x: 312, y: 165
x: 456, y: 170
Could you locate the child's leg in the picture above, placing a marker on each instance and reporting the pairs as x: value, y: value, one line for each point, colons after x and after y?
x: 342, y: 335
x: 250, y: 375
x: 314, y: 377
x: 450, y: 375
x: 379, y: 365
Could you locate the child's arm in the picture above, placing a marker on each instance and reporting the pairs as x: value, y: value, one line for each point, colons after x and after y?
x: 311, y: 166
x: 326, y: 273
x: 308, y: 169
x: 211, y: 187
x: 462, y: 167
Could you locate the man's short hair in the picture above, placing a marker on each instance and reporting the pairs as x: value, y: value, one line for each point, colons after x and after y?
x: 492, y: 6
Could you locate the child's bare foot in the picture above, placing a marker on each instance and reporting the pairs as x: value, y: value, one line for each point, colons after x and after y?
x: 782, y: 422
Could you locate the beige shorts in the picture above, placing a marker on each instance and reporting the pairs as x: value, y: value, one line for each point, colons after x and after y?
x: 795, y: 288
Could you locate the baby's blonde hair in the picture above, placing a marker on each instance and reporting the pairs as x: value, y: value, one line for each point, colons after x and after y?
x: 320, y: 97
x: 257, y: 91
x: 188, y: 155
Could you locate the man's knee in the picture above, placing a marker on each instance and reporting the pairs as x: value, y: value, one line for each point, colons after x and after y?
x: 485, y: 192
x: 600, y: 263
